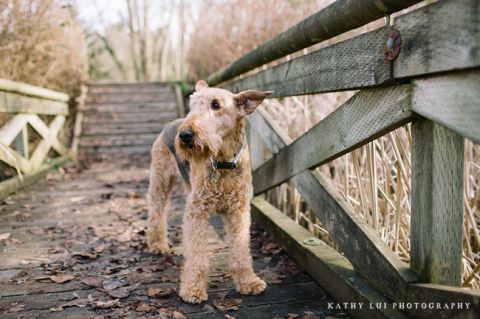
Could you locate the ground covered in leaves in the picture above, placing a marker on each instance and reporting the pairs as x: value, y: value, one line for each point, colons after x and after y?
x: 73, y: 246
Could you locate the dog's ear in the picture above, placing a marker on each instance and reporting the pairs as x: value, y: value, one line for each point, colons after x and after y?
x: 250, y: 99
x: 201, y: 85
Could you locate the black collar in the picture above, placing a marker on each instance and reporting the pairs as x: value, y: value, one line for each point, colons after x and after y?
x: 233, y: 163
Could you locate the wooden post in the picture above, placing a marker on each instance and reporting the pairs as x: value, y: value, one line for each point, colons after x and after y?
x: 21, y: 142
x: 255, y: 146
x: 437, y: 203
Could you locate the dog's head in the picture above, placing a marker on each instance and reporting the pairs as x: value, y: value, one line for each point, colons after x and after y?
x: 214, y: 114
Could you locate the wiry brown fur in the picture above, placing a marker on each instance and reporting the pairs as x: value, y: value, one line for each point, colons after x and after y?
x: 218, y: 134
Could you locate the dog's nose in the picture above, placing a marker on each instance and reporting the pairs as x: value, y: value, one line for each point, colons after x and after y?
x: 186, y: 136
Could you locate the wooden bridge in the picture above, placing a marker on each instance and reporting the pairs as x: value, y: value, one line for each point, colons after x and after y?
x: 73, y: 244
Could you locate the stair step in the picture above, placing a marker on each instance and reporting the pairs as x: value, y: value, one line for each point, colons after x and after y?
x: 124, y: 139
x: 137, y: 128
x: 127, y: 116
x: 130, y: 107
x: 150, y: 117
x: 127, y: 87
x: 126, y: 149
x: 131, y: 97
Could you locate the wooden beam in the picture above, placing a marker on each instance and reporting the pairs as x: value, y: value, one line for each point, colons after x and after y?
x: 33, y: 91
x: 451, y: 100
x: 442, y: 302
x: 360, y: 62
x: 440, y: 37
x: 337, y: 18
x: 357, y: 240
x: 437, y: 203
x: 329, y: 268
x: 180, y: 102
x: 15, y: 183
x: 356, y: 63
x: 10, y: 130
x: 17, y: 103
x: 364, y: 117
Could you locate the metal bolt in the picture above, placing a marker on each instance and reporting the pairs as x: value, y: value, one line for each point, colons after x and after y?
x: 392, y: 45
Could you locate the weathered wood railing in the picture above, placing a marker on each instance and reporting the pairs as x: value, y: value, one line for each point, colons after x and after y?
x: 434, y: 82
x: 25, y: 103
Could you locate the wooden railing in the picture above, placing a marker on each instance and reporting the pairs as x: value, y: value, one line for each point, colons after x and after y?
x: 26, y: 104
x: 432, y: 82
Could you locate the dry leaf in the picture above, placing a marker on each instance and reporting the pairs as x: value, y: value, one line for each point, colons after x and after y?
x: 60, y: 279
x: 56, y: 309
x: 178, y: 315
x: 226, y: 304
x: 113, y: 284
x: 153, y: 291
x: 4, y: 236
x: 143, y: 307
x: 106, y: 304
x: 125, y: 237
x: 92, y: 281
x: 119, y: 293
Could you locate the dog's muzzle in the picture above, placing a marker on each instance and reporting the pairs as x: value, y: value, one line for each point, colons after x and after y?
x: 186, y: 137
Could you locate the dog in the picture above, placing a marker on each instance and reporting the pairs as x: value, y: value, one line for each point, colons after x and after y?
x: 209, y: 149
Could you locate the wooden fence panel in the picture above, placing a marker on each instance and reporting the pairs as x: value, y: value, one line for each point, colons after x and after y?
x: 366, y: 116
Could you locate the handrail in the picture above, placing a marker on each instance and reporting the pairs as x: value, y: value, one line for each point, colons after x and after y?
x: 33, y: 91
x: 337, y: 18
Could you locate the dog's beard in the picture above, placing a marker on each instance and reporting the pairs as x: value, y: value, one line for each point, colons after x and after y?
x: 204, y: 145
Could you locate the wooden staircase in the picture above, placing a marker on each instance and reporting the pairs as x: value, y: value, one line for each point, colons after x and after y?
x: 126, y: 117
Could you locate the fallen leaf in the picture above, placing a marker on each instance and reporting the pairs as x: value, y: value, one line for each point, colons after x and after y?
x: 56, y: 309
x: 153, y: 291
x: 125, y: 237
x: 224, y: 303
x: 106, y: 304
x: 113, y: 284
x: 310, y: 315
x: 60, y: 279
x: 100, y: 248
x: 4, y: 236
x: 119, y: 293
x: 178, y: 315
x: 95, y: 281
x: 143, y: 307
x: 270, y: 276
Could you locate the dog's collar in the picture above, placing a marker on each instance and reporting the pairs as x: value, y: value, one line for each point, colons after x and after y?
x: 233, y: 163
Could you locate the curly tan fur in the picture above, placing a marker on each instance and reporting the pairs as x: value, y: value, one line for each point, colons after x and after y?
x: 218, y: 133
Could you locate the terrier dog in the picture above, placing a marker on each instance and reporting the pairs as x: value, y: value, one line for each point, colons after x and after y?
x: 209, y: 148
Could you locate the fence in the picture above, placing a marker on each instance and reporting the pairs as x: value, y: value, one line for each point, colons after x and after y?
x: 28, y: 104
x: 423, y: 69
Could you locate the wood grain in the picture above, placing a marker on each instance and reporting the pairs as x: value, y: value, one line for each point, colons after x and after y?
x: 437, y: 203
x: 31, y: 90
x: 451, y: 100
x: 17, y: 103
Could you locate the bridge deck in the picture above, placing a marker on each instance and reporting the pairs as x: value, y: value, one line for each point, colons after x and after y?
x: 73, y: 246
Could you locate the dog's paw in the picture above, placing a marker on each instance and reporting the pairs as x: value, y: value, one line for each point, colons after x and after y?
x: 158, y: 247
x: 193, y: 295
x: 254, y: 287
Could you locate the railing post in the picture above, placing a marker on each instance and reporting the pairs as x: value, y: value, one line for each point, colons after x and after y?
x: 21, y: 142
x: 437, y: 203
x: 256, y: 147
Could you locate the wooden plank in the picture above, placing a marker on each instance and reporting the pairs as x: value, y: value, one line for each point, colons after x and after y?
x: 451, y: 100
x: 437, y: 203
x: 180, y: 102
x: 14, y: 159
x: 49, y: 134
x: 356, y: 63
x: 31, y: 90
x: 10, y: 129
x: 364, y: 117
x: 256, y: 148
x: 17, y: 103
x: 439, y: 300
x: 15, y: 184
x: 442, y: 36
x: 21, y: 142
x: 355, y: 237
x: 437, y: 38
x: 337, y: 18
x: 331, y: 270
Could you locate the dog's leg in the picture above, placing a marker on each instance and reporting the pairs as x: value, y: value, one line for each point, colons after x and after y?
x: 237, y: 227
x: 194, y: 278
x: 162, y: 178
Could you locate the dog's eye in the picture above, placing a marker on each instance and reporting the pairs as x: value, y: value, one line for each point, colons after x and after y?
x: 215, y: 105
